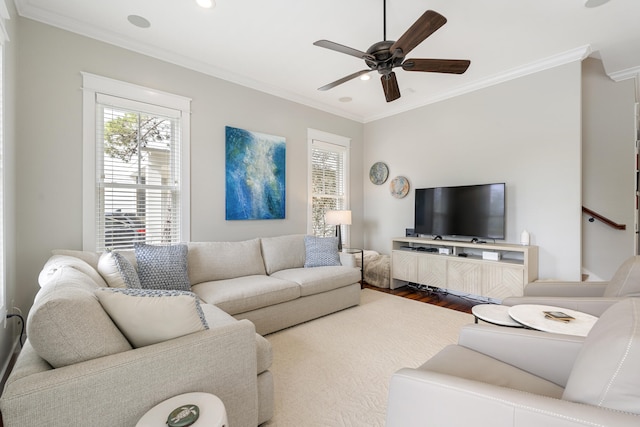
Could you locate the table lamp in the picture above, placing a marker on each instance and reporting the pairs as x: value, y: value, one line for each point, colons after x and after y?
x: 338, y: 218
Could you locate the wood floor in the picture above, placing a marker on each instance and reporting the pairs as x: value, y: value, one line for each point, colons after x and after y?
x: 438, y: 297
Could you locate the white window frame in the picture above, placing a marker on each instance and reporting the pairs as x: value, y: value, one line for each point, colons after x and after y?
x: 94, y: 85
x: 327, y: 139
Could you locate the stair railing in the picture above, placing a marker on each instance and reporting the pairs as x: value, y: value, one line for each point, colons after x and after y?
x: 594, y: 215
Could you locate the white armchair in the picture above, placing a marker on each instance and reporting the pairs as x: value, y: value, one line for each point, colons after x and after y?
x: 499, y: 377
x: 589, y: 297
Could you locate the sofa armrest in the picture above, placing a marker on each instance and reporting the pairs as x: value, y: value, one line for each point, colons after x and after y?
x: 418, y: 398
x: 118, y: 389
x: 590, y: 305
x: 565, y: 289
x: 348, y: 260
x: 546, y: 355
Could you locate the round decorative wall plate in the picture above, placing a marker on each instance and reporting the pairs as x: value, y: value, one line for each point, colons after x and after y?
x: 378, y: 173
x: 399, y: 187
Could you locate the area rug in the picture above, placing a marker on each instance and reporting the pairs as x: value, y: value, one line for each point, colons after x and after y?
x: 335, y: 371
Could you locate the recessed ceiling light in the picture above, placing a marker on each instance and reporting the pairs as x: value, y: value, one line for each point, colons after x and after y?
x: 207, y: 4
x: 139, y: 21
x: 365, y: 77
x: 345, y: 99
x: 595, y: 3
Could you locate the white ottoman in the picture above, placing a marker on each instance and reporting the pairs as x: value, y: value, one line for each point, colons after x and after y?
x: 212, y: 411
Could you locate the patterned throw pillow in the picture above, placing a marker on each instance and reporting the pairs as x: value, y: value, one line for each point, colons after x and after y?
x: 163, y: 267
x: 321, y: 251
x: 127, y: 271
x: 142, y: 314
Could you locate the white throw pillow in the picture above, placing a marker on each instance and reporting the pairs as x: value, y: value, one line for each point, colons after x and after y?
x: 149, y: 316
x: 117, y: 271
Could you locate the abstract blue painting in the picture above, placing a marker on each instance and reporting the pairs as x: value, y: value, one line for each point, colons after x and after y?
x: 255, y: 175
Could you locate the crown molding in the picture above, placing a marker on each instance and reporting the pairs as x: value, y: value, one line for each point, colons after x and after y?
x: 629, y: 73
x: 55, y: 20
x: 577, y: 54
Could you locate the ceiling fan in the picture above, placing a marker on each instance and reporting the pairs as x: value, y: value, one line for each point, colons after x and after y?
x: 386, y: 55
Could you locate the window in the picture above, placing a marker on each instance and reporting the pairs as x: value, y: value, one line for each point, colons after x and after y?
x: 136, y: 157
x: 328, y: 181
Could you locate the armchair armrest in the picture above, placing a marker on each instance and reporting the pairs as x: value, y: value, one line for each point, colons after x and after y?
x: 418, y: 398
x: 565, y: 289
x: 546, y: 355
x: 591, y: 305
x: 118, y: 389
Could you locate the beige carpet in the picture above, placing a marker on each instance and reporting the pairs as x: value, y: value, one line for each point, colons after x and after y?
x: 335, y: 371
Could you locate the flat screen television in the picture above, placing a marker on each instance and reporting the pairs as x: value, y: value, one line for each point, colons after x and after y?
x: 476, y: 211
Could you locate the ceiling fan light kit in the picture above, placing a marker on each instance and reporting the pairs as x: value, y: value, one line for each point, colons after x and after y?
x: 386, y: 55
x: 207, y: 4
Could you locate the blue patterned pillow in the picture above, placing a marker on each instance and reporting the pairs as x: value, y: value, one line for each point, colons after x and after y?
x: 127, y: 271
x: 321, y: 251
x: 163, y: 267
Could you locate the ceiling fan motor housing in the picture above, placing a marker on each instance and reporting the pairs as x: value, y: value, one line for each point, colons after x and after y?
x: 385, y: 60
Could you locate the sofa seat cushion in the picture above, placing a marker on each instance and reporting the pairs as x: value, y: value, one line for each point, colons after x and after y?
x: 216, y: 317
x: 209, y: 261
x: 319, y: 279
x: 461, y: 362
x: 246, y: 293
x: 67, y: 325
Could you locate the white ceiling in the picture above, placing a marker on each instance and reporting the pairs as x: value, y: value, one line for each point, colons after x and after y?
x: 268, y: 44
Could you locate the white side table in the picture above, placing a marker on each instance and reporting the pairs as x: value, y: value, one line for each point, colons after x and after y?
x: 212, y: 411
x: 532, y: 316
x: 495, y: 314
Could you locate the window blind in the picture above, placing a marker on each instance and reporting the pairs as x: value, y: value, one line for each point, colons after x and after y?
x: 137, y: 173
x: 328, y: 186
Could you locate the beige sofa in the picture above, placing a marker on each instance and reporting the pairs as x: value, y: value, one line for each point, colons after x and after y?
x: 78, y: 368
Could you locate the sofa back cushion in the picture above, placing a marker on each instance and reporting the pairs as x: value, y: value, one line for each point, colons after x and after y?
x: 208, y: 261
x: 607, y: 370
x: 56, y: 262
x: 67, y: 324
x: 626, y: 280
x: 283, y: 252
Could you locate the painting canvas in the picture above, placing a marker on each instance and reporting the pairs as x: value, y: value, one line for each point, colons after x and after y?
x: 255, y: 175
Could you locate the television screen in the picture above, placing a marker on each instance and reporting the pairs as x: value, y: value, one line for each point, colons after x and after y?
x: 470, y: 211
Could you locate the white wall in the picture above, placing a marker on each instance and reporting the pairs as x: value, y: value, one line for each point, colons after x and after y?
x: 525, y: 132
x: 15, y: 292
x: 49, y: 156
x: 608, y: 178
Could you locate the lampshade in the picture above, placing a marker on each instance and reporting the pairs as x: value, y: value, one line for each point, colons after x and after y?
x: 338, y: 217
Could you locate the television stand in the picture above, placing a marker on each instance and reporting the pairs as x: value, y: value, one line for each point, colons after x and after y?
x: 493, y: 270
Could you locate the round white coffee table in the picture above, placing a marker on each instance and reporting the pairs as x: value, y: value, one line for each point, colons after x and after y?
x: 532, y: 316
x: 212, y: 411
x: 495, y: 314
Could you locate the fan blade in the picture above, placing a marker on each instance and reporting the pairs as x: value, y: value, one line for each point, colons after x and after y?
x: 453, y: 66
x: 426, y: 25
x: 344, y: 79
x: 390, y: 86
x: 344, y: 49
